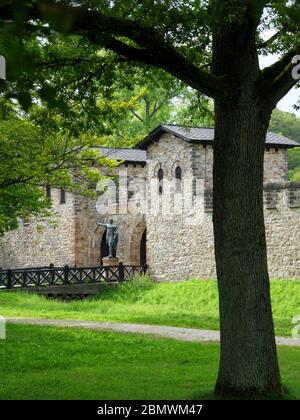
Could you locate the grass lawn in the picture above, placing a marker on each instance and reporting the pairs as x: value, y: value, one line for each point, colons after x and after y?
x: 189, y: 304
x: 59, y: 363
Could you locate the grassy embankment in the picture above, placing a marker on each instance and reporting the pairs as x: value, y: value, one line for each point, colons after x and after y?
x: 186, y: 304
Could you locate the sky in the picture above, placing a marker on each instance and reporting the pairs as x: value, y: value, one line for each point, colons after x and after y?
x: 286, y: 104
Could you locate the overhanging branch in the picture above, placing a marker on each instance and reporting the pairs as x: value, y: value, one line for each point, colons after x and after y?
x: 104, y: 29
x: 269, y: 41
x: 280, y: 77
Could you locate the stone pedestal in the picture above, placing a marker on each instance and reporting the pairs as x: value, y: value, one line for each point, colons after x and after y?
x: 110, y: 262
x: 112, y: 271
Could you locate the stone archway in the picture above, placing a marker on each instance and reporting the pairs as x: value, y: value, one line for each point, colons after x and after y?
x: 97, y: 247
x: 143, y: 249
x: 138, y: 241
x: 104, y: 250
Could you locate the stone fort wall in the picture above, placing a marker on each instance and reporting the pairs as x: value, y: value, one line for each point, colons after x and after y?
x: 196, y: 160
x: 90, y: 239
x: 39, y: 242
x: 178, y: 250
x: 71, y: 235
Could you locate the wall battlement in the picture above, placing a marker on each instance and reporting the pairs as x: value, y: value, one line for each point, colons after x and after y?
x: 277, y: 196
x: 280, y: 195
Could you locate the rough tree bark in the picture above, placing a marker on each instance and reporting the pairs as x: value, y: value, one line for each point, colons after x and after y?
x: 248, y: 363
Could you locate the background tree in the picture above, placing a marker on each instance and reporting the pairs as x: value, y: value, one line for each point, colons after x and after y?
x: 139, y: 110
x: 288, y: 125
x: 34, y: 155
x: 213, y: 47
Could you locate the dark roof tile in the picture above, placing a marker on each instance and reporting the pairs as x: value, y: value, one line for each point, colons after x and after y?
x: 199, y: 134
x: 128, y: 155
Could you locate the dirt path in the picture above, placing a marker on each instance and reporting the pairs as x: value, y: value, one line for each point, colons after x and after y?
x: 177, y: 333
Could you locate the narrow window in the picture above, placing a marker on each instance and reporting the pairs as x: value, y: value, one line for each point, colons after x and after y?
x: 178, y: 179
x: 48, y: 191
x: 160, y: 175
x: 62, y: 196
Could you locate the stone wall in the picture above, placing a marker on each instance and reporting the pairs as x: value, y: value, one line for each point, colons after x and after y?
x: 197, y: 160
x: 71, y: 236
x: 176, y: 248
x: 40, y: 242
x: 275, y: 165
x: 88, y: 238
x: 179, y: 250
x: 282, y: 221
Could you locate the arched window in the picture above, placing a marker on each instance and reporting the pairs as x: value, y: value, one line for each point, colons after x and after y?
x: 178, y: 179
x: 160, y: 175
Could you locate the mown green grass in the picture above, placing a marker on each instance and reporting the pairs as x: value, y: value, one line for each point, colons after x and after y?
x: 186, y: 304
x: 60, y: 363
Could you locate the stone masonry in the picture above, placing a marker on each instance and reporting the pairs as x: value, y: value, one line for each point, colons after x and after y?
x: 71, y: 235
x: 175, y: 249
x: 89, y: 239
x: 38, y: 242
x: 178, y: 251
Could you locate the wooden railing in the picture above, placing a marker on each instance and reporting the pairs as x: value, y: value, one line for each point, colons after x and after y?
x: 64, y: 276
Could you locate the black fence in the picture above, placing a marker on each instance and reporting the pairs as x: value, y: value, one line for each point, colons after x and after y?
x: 64, y: 276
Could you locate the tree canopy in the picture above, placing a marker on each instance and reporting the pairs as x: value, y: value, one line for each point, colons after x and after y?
x: 33, y: 154
x: 288, y: 125
x: 169, y: 35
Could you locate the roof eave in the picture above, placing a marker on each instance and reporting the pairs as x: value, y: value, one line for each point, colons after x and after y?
x: 143, y: 144
x: 134, y: 162
x: 155, y: 135
x: 161, y: 129
x: 281, y: 146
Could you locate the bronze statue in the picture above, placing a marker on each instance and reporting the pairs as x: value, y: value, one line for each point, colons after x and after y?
x: 111, y: 237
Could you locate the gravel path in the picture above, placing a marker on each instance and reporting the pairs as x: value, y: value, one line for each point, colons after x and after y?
x: 177, y: 333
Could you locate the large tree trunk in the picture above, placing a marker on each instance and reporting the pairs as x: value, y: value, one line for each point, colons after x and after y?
x: 248, y: 363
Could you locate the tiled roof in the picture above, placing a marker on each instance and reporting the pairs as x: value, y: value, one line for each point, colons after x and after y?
x: 206, y: 135
x: 128, y: 155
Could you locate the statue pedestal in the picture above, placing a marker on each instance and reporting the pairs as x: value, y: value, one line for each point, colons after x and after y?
x: 112, y: 270
x: 110, y: 262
